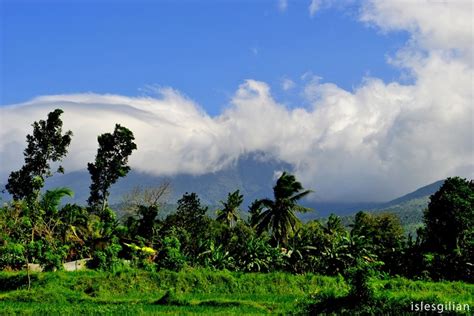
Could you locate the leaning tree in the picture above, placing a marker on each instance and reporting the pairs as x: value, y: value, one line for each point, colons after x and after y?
x: 47, y: 144
x: 278, y: 215
x: 110, y: 165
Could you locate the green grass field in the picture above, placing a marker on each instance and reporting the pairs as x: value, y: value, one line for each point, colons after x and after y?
x: 200, y: 291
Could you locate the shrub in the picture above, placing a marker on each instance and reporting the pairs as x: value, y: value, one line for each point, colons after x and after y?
x: 170, y: 257
x: 107, y: 259
x: 12, y: 256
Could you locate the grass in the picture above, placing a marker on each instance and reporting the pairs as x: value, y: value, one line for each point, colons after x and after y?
x: 203, y: 292
x: 392, y: 297
x: 197, y: 291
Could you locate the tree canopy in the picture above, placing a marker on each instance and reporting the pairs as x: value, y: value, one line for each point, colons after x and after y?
x: 110, y: 164
x: 449, y: 218
x: 47, y: 144
x: 278, y: 215
x: 229, y: 214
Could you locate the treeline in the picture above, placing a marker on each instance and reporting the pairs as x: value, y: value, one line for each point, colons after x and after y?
x: 36, y: 228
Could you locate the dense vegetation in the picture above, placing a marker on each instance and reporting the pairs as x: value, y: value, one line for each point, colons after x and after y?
x: 36, y: 228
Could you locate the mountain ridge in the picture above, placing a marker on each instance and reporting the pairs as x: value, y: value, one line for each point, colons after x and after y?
x: 254, y: 175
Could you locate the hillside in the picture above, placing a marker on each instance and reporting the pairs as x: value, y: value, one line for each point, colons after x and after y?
x: 255, y: 178
x: 420, y: 193
x: 252, y: 175
x: 409, y: 208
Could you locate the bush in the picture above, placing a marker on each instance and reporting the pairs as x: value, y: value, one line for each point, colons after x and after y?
x: 170, y: 257
x: 107, y: 259
x: 12, y: 256
x: 358, y: 278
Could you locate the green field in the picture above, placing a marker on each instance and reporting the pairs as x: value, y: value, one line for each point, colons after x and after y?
x: 200, y: 291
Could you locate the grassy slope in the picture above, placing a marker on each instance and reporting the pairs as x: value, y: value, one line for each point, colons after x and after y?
x: 409, y: 208
x: 194, y: 291
x: 395, y: 297
x: 136, y: 292
x: 409, y: 212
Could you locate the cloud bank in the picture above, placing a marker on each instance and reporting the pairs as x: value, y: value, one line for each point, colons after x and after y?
x: 373, y: 143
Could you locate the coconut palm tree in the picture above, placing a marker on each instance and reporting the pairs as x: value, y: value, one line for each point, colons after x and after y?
x: 278, y: 215
x: 230, y: 212
x: 51, y: 200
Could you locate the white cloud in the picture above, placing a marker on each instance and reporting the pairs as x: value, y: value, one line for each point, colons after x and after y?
x: 314, y: 7
x: 376, y: 142
x: 287, y: 84
x: 282, y: 5
x: 434, y: 25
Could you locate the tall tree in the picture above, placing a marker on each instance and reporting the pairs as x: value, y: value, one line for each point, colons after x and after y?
x: 190, y: 214
x: 384, y: 234
x: 190, y: 224
x: 449, y: 218
x: 278, y: 215
x: 47, y: 144
x: 110, y: 164
x: 255, y: 209
x: 230, y: 211
x: 449, y: 231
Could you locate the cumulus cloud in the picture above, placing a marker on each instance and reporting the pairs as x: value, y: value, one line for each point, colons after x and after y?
x: 374, y: 143
x: 434, y: 25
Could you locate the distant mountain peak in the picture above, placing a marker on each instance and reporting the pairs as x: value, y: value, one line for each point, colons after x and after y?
x: 427, y: 190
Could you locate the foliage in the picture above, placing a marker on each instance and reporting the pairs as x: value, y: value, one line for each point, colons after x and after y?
x: 278, y: 215
x: 190, y: 224
x: 170, y: 256
x: 450, y: 216
x: 385, y: 233
x: 106, y: 259
x: 47, y: 144
x: 217, y: 257
x: 449, y: 231
x: 255, y: 209
x: 358, y: 278
x: 189, y: 253
x: 12, y: 256
x: 143, y: 224
x: 389, y: 297
x: 230, y: 211
x: 110, y: 164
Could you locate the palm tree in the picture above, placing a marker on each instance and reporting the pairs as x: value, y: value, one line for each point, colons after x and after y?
x: 255, y: 209
x: 230, y: 213
x: 278, y: 216
x: 51, y: 199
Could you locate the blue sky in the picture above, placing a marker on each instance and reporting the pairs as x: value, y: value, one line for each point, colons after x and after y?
x: 368, y: 130
x: 205, y: 49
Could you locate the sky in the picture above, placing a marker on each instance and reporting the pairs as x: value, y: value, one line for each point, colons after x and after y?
x: 205, y: 49
x: 366, y: 100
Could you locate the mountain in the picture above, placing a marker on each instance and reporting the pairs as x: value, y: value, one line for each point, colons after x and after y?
x: 254, y: 176
x: 408, y: 208
x: 420, y: 193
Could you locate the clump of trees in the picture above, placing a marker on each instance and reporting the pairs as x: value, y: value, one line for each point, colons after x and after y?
x: 448, y: 235
x: 36, y: 228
